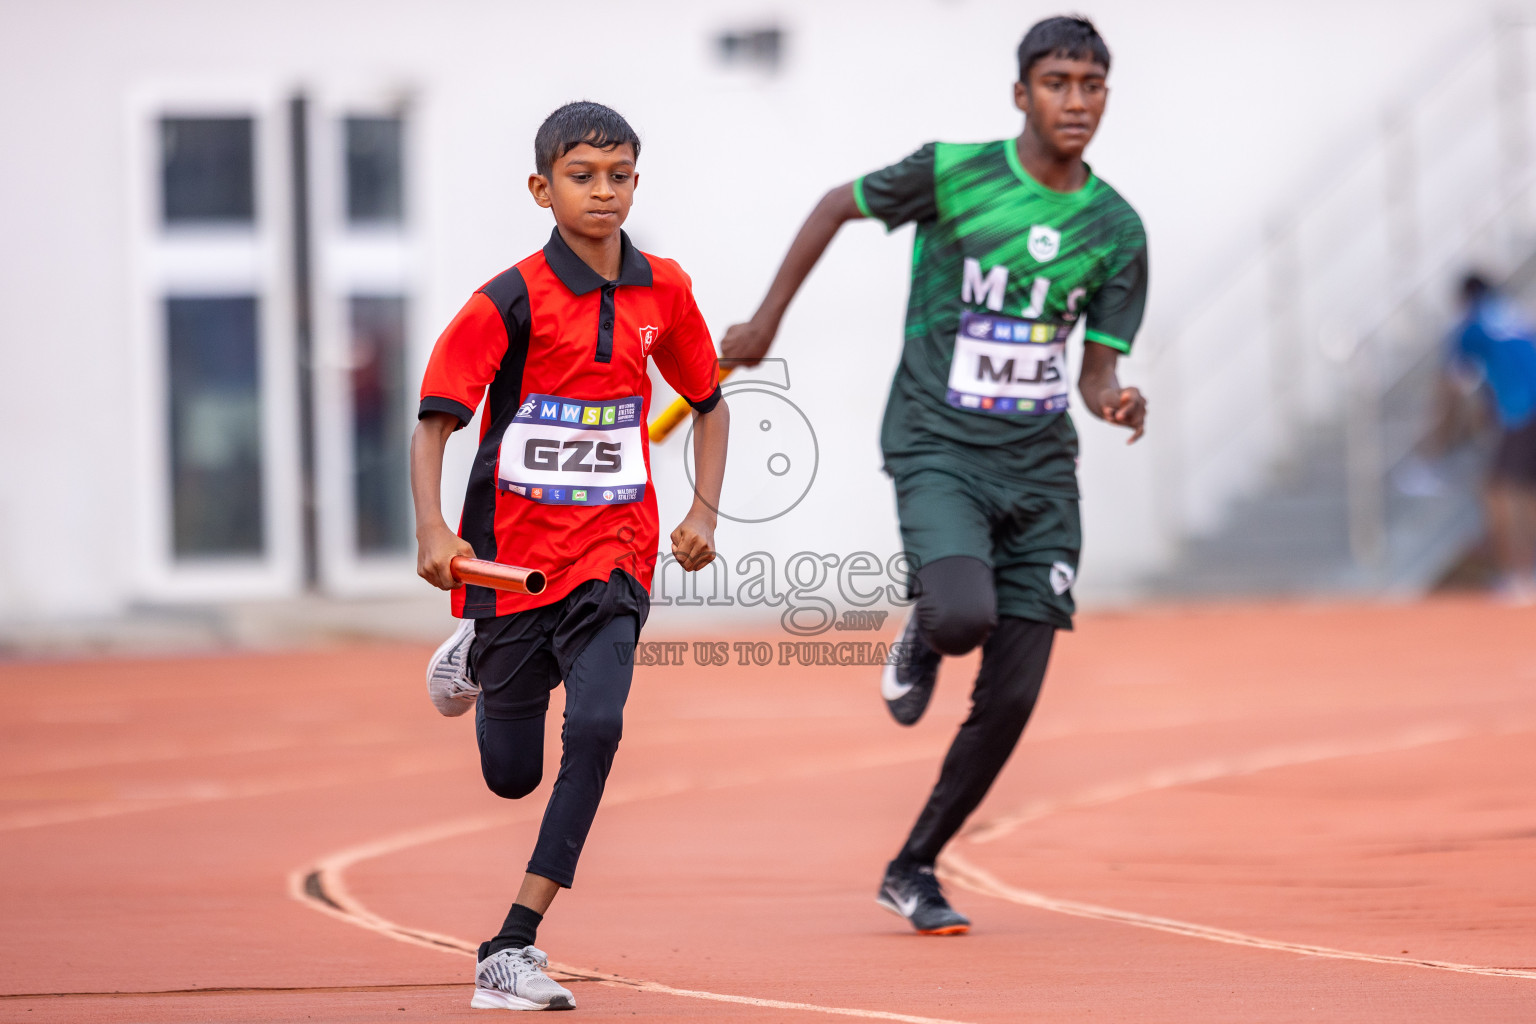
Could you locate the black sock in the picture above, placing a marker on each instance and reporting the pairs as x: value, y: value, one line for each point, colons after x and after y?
x: 519, y: 929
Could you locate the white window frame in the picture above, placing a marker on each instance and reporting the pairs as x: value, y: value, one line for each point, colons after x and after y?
x: 348, y: 261
x: 197, y: 261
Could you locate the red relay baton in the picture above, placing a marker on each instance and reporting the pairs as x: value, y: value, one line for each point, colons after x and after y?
x: 511, y: 578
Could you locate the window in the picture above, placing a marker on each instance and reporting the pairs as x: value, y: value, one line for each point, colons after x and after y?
x: 365, y: 339
x: 271, y: 321
x: 373, y: 172
x: 380, y: 426
x: 207, y: 170
x: 216, y: 506
x: 215, y: 427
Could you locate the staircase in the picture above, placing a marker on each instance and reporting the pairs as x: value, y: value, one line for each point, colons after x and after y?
x: 1283, y: 476
x: 1293, y: 538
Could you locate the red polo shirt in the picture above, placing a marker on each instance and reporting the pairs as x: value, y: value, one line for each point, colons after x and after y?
x: 555, y: 350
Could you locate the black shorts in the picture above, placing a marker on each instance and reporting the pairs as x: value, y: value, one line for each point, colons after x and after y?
x: 519, y: 659
x: 1031, y: 541
x: 1514, y: 460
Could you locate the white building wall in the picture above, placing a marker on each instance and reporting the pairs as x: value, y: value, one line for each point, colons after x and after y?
x: 1217, y: 112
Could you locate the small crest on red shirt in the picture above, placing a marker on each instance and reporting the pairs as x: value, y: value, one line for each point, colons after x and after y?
x: 648, y: 338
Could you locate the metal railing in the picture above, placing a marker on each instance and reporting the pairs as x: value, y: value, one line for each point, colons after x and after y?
x: 1350, y: 293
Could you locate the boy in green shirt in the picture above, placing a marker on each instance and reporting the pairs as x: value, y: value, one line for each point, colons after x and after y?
x: 1017, y: 241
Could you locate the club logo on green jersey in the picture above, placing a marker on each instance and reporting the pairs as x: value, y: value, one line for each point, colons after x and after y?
x: 1044, y: 242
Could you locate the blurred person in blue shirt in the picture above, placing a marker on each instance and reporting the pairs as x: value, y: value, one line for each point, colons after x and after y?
x: 1496, y: 341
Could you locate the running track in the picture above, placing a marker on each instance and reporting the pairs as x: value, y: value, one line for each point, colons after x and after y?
x: 1273, y: 813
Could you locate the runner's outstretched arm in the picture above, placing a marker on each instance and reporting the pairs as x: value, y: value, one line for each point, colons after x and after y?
x: 436, y: 543
x: 1103, y: 395
x: 693, y: 542
x: 747, y: 343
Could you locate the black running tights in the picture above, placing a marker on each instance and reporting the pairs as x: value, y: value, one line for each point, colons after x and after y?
x: 1013, y: 662
x: 512, y: 750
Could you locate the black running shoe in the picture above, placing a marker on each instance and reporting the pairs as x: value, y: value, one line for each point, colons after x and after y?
x: 914, y: 893
x: 907, y: 682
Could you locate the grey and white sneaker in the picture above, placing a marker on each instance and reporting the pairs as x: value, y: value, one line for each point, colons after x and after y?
x: 514, y: 979
x: 448, y: 683
x: 907, y: 681
x: 915, y: 894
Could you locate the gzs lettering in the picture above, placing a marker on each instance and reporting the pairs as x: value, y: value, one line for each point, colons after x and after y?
x: 991, y: 288
x: 583, y: 456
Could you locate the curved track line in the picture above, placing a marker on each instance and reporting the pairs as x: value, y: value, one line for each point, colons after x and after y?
x: 964, y: 874
x: 956, y: 869
x: 347, y: 909
x: 775, y: 1004
x: 321, y: 886
x: 1214, y: 768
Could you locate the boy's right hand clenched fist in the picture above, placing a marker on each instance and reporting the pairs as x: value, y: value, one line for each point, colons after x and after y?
x: 436, y: 548
x: 746, y: 344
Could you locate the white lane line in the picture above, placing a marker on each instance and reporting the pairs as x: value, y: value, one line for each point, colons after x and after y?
x: 956, y: 869
x: 143, y: 799
x: 780, y: 1004
x: 1210, y: 769
x: 129, y: 753
x: 322, y: 886
x: 344, y: 906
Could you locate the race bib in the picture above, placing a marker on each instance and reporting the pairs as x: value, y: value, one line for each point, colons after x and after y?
x: 565, y: 451
x: 1002, y: 365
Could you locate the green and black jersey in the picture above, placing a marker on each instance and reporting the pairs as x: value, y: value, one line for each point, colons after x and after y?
x: 1002, y: 269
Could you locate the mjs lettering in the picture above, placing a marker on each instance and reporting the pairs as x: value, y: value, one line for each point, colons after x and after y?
x: 1046, y: 372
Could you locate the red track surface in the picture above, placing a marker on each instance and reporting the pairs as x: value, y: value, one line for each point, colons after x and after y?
x: 1264, y: 814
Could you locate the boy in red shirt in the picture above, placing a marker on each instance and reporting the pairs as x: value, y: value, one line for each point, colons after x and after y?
x: 558, y: 348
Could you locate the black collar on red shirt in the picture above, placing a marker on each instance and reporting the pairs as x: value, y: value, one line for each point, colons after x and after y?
x: 634, y: 268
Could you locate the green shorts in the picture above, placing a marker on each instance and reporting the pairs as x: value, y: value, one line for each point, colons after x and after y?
x: 1031, y: 541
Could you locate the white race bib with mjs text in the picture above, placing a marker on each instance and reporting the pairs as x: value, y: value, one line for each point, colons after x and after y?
x: 1004, y: 365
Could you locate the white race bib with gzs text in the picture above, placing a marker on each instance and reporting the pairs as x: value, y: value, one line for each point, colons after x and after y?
x: 567, y: 451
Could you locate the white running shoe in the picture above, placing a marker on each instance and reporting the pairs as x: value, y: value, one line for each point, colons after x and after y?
x: 514, y: 979
x: 448, y: 683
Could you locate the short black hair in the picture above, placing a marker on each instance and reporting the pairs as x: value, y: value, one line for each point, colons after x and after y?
x: 1474, y: 286
x: 575, y: 123
x: 1071, y: 36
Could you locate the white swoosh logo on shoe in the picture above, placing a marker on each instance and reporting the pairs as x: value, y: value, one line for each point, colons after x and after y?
x: 892, y: 688
x: 906, y: 906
